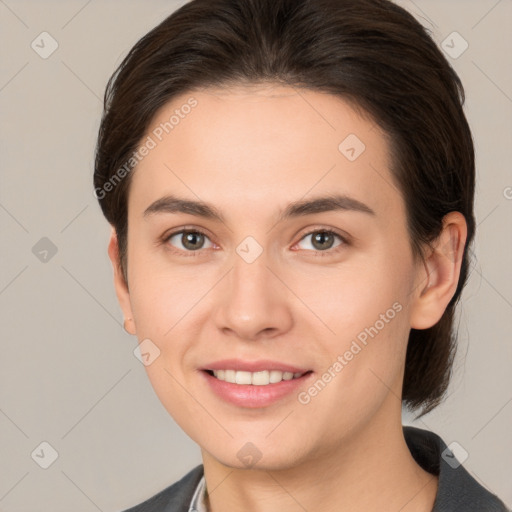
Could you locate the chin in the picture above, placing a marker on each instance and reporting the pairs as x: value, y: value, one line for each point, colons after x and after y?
x: 257, y: 456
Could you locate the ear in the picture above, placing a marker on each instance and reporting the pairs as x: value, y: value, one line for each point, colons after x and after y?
x: 438, y: 279
x: 120, y: 285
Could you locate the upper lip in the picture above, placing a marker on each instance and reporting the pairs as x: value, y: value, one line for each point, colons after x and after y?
x: 253, y: 366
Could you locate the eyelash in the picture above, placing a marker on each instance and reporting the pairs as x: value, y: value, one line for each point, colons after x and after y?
x: 328, y: 252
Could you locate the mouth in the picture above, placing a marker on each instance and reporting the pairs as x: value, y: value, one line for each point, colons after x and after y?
x: 254, y: 385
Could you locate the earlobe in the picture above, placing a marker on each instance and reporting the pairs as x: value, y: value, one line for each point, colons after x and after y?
x: 120, y: 285
x: 129, y: 326
x: 438, y: 280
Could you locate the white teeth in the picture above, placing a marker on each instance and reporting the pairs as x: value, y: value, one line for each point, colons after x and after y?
x: 255, y: 378
x: 260, y: 378
x: 276, y: 376
x: 243, y: 378
x: 229, y: 376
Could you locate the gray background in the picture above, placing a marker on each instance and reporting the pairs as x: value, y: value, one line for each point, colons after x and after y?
x: 68, y: 373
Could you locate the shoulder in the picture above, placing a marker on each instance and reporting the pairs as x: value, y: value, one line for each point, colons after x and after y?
x: 175, y: 498
x: 458, y: 490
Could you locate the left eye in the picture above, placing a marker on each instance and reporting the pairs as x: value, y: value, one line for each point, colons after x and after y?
x: 189, y: 240
x: 322, y: 240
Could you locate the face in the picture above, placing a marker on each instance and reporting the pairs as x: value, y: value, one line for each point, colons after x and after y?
x: 267, y: 240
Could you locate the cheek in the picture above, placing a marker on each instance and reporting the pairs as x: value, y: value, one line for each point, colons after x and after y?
x: 365, y: 311
x: 173, y: 391
x: 163, y: 297
x: 354, y: 295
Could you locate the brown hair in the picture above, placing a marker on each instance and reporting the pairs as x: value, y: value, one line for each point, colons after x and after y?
x: 372, y: 53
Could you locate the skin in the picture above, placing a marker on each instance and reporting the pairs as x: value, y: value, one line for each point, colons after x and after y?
x: 250, y: 151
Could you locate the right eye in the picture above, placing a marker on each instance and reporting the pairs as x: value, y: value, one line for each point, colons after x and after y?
x: 188, y: 240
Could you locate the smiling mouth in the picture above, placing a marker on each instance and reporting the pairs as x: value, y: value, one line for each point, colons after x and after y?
x: 261, y: 378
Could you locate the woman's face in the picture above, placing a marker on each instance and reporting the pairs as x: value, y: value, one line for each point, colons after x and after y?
x: 297, y: 261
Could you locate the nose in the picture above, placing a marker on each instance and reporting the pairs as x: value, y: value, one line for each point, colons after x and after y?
x: 252, y: 303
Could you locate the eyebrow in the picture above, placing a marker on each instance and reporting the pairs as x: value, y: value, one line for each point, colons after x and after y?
x: 174, y: 204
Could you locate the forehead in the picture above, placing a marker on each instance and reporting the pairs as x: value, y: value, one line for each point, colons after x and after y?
x: 263, y: 145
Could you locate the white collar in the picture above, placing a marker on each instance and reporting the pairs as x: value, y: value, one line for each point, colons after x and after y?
x: 198, y: 503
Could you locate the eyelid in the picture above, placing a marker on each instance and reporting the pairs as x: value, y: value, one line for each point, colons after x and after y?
x: 181, y: 229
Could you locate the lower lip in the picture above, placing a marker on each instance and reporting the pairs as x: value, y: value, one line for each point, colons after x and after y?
x: 248, y: 395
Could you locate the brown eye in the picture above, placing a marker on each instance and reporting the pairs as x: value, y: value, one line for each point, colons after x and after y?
x: 322, y: 240
x: 189, y: 240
